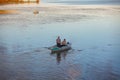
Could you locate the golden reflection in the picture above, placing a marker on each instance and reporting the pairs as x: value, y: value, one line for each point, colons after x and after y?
x: 8, y: 11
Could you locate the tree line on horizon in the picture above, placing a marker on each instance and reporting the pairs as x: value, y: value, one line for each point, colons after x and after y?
x: 19, y: 1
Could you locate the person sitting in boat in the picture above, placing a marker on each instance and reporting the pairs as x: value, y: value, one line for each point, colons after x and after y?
x: 64, y: 43
x: 58, y: 41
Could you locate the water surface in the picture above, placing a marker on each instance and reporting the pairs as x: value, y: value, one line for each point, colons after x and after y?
x: 94, y: 56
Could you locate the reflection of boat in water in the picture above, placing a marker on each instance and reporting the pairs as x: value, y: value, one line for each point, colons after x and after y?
x: 36, y: 12
x: 60, y: 56
x: 55, y: 49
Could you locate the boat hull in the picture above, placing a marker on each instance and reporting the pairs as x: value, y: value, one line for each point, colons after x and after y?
x: 55, y: 49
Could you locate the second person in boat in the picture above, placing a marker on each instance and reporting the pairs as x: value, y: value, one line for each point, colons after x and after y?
x: 64, y: 43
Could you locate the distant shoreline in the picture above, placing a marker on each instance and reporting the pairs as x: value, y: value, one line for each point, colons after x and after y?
x: 69, y: 2
x: 51, y: 4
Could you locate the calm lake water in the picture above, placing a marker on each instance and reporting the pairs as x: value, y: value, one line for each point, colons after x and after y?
x: 94, y: 56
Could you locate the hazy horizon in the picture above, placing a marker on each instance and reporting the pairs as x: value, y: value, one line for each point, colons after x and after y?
x: 74, y: 0
x: 115, y: 2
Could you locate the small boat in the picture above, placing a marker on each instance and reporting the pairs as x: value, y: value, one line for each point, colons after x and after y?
x: 36, y: 12
x: 55, y: 49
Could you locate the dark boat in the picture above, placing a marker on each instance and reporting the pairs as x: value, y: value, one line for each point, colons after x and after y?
x: 55, y: 49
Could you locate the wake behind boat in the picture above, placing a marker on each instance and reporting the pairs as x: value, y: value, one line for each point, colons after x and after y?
x: 55, y: 49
